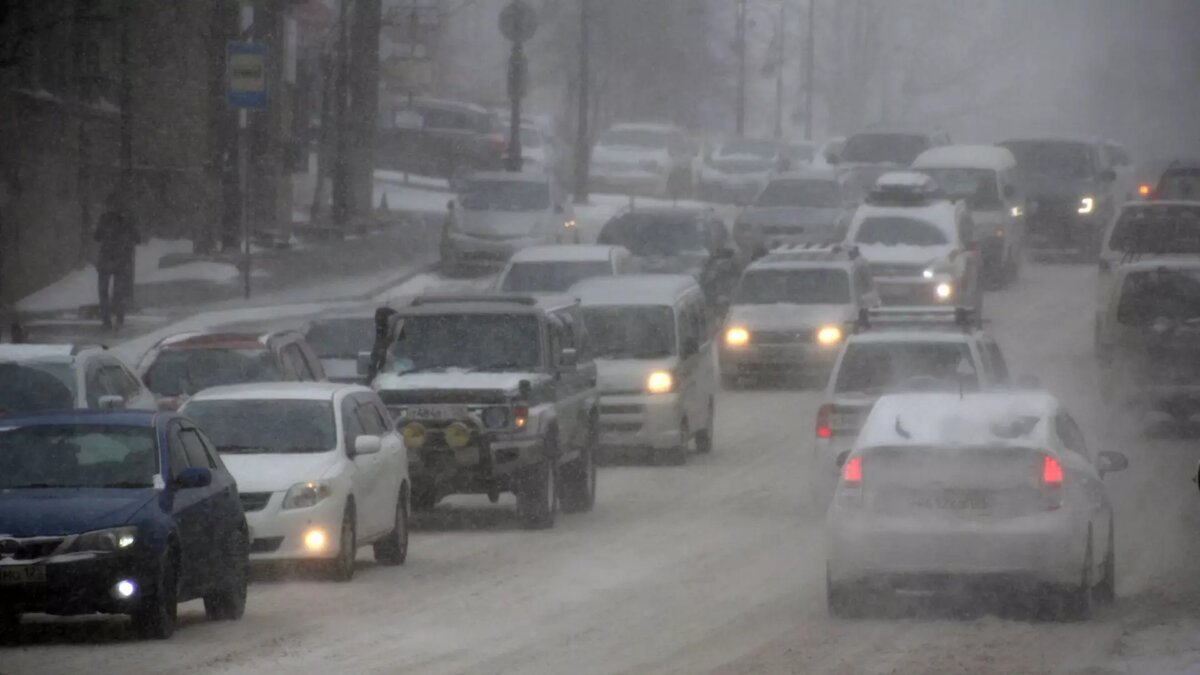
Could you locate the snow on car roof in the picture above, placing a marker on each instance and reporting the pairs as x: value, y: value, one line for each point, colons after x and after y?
x: 966, y: 157
x: 907, y: 179
x: 566, y: 253
x: 644, y: 126
x: 633, y: 289
x: 284, y: 391
x: 946, y: 418
x: 1164, y: 262
x: 27, y: 352
x: 941, y: 213
x: 807, y: 172
x: 913, y: 333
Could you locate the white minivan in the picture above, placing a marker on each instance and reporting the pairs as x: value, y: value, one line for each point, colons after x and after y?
x: 651, y: 342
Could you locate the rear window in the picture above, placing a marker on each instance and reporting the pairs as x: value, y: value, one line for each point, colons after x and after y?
x: 817, y: 194
x: 28, y: 387
x: 898, y: 230
x: 1179, y: 184
x: 765, y: 149
x: 977, y: 186
x: 341, y: 338
x: 506, y: 195
x: 552, y: 277
x: 176, y: 372
x: 1065, y: 159
x: 643, y: 139
x: 799, y: 287
x: 877, y: 367
x: 1164, y: 295
x: 899, y: 149
x: 1157, y: 229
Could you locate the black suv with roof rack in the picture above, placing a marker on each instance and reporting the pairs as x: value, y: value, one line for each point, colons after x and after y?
x: 492, y: 394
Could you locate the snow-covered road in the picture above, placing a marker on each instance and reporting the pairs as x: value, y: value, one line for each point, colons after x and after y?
x: 710, y: 567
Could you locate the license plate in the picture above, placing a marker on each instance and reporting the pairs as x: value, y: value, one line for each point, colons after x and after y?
x: 12, y: 575
x: 434, y: 412
x: 952, y: 501
x: 837, y: 421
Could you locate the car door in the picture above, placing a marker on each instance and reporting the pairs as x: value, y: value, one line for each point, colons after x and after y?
x: 1081, y: 464
x: 393, y: 460
x: 190, y: 509
x: 137, y: 396
x: 366, y: 474
x: 310, y: 358
x: 224, y: 505
x: 706, y: 370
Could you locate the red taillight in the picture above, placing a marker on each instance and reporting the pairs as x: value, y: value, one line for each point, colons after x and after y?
x: 520, y: 416
x: 852, y: 474
x: 823, y: 414
x: 1052, y: 472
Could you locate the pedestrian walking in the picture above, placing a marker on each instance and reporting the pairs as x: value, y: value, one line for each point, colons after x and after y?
x: 118, y: 237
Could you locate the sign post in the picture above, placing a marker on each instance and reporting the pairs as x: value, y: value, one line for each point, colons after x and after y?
x: 246, y: 89
x: 518, y: 23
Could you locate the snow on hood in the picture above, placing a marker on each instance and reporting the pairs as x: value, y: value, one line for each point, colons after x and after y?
x: 276, y: 472
x: 500, y: 223
x: 686, y: 262
x: 785, y: 216
x: 788, y: 317
x: 629, y: 374
x: 453, y: 378
x: 904, y: 253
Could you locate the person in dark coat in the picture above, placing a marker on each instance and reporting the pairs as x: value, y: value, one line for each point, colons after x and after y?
x: 118, y: 237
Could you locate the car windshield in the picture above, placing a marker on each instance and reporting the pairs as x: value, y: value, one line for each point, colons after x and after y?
x: 176, y: 372
x: 1181, y: 184
x: 642, y: 139
x: 341, y: 338
x: 1063, y: 159
x: 977, y: 186
x: 1153, y: 229
x: 797, y: 287
x: 899, y: 149
x: 496, y: 342
x: 898, y: 230
x: 269, y: 426
x: 631, y: 332
x: 813, y: 194
x: 1171, y: 295
x: 652, y: 234
x: 506, y: 195
x: 744, y: 147
x: 77, y: 455
x: 876, y: 367
x: 552, y: 277
x: 36, y: 385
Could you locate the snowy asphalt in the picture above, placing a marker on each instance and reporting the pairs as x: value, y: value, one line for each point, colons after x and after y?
x: 711, y: 567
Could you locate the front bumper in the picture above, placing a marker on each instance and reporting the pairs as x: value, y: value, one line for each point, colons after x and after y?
x: 78, y: 584
x: 908, y: 291
x: 1059, y: 228
x: 781, y: 359
x: 730, y: 187
x: 490, y: 462
x: 640, y: 420
x: 279, y: 534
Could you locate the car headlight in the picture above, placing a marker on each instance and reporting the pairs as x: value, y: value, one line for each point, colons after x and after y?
x: 1087, y: 205
x: 1017, y: 212
x: 737, y: 336
x: 495, y: 417
x: 304, y: 495
x: 414, y: 434
x: 660, y: 382
x: 829, y: 335
x: 104, y: 541
x: 928, y: 273
x: 944, y: 291
x: 569, y: 224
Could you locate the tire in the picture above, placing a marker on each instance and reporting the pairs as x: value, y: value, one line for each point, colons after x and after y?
x: 1105, y: 592
x: 229, y: 603
x: 537, y: 495
x: 579, y: 477
x: 1075, y: 602
x: 678, y: 455
x: 341, y: 568
x: 154, y: 617
x: 704, y: 437
x: 392, y: 550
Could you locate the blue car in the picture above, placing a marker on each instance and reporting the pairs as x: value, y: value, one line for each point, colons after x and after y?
x: 117, y: 512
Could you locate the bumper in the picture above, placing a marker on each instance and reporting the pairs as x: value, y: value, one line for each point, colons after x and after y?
x: 916, y: 292
x: 467, y: 251
x: 764, y: 360
x: 279, y: 534
x: 640, y: 420
x: 1060, y: 230
x: 491, y: 463
x: 863, y: 545
x: 83, y: 584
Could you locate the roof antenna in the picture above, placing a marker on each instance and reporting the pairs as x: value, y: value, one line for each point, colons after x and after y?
x: 901, y: 430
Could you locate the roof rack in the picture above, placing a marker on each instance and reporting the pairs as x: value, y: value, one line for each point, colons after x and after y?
x: 966, y: 318
x: 813, y: 250
x: 453, y: 299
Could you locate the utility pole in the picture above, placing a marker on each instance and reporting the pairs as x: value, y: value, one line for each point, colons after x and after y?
x: 582, y: 145
x: 518, y: 23
x: 810, y: 59
x: 125, y: 103
x: 341, y: 181
x: 740, y: 46
x: 779, y: 54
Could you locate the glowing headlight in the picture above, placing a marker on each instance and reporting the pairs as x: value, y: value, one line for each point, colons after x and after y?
x: 737, y: 336
x: 829, y: 335
x: 316, y: 539
x: 105, y: 541
x: 944, y: 291
x: 414, y: 434
x: 457, y: 435
x: 1017, y: 212
x: 569, y: 224
x: 304, y: 495
x: 1087, y: 205
x: 928, y: 274
x: 659, y: 382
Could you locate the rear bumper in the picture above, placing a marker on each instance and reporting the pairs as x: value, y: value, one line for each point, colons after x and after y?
x: 765, y: 360
x: 640, y: 421
x: 907, y: 291
x: 464, y: 250
x: 635, y: 183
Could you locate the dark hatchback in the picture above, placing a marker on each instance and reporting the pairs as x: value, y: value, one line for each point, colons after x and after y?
x: 119, y: 513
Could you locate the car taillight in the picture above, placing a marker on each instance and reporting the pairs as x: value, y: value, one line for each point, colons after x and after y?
x: 499, y: 143
x: 1144, y: 190
x: 1052, y: 482
x: 852, y: 471
x: 824, y: 413
x: 520, y: 416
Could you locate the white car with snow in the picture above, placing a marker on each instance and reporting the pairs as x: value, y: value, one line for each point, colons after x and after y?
x: 554, y: 269
x: 996, y: 491
x: 921, y: 246
x: 91, y: 377
x: 320, y: 469
x: 739, y: 168
x: 650, y: 337
x: 493, y: 393
x: 653, y: 160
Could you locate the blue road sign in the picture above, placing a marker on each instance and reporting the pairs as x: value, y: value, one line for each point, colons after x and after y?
x: 246, y: 75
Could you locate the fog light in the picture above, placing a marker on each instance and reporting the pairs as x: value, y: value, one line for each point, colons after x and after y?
x: 737, y: 336
x: 829, y: 335
x: 458, y: 435
x: 944, y: 291
x: 414, y: 435
x: 125, y: 588
x: 315, y: 540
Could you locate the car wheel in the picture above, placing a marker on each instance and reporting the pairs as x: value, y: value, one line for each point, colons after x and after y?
x: 704, y: 437
x: 229, y: 603
x: 1106, y: 590
x: 392, y: 550
x: 341, y: 568
x: 537, y: 495
x: 840, y: 601
x: 579, y: 477
x: 1075, y: 602
x: 678, y: 455
x: 154, y: 617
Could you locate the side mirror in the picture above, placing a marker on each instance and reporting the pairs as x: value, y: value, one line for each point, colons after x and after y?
x: 524, y: 388
x: 1107, y: 175
x: 363, y: 363
x: 1110, y: 462
x: 568, y: 358
x: 367, y: 445
x: 841, y: 458
x: 111, y: 402
x: 193, y: 477
x: 1010, y: 191
x: 832, y: 158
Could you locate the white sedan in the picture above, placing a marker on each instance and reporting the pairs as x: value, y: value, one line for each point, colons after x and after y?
x: 994, y: 491
x: 320, y: 469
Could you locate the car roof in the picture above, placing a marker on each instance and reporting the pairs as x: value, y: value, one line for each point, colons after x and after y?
x: 808, y: 172
x: 443, y: 103
x: 1155, y: 203
x: 510, y: 176
x: 1182, y: 163
x: 798, y: 263
x: 30, y: 352
x: 1181, y: 262
x: 966, y: 157
x: 666, y: 211
x: 130, y: 418
x: 895, y: 130
x: 931, y: 333
x: 1080, y: 140
x: 634, y: 289
x: 940, y: 212
x: 566, y: 253
x: 950, y: 418
x: 437, y: 305
x: 225, y: 340
x: 645, y: 126
x: 284, y: 391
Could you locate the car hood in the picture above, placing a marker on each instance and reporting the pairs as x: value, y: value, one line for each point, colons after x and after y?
x: 275, y: 472
x: 629, y: 375
x: 454, y: 378
x: 687, y: 262
x: 795, y: 216
x: 54, y: 511
x: 788, y: 317
x: 501, y: 224
x: 903, y: 253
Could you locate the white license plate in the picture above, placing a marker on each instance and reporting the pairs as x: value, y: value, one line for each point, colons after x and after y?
x: 12, y: 575
x: 843, y: 421
x: 953, y: 501
x: 434, y: 412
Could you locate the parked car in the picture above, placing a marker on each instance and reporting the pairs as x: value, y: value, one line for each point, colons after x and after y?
x: 739, y: 168
x: 645, y: 159
x: 445, y: 139
x: 499, y: 213
x: 493, y: 394
x: 811, y: 205
x: 554, y: 269
x: 991, y: 491
x: 337, y: 342
x: 79, y: 377
x: 984, y: 177
x: 653, y: 347
x: 183, y: 364
x: 1178, y: 180
x: 120, y: 513
x: 321, y: 468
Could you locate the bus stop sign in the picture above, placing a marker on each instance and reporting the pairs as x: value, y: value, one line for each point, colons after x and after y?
x: 246, y: 75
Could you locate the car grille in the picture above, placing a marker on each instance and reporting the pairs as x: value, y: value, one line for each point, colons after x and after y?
x: 254, y: 501
x: 780, y: 337
x: 266, y: 544
x: 32, y: 548
x: 1051, y: 212
x: 884, y: 270
x: 464, y: 396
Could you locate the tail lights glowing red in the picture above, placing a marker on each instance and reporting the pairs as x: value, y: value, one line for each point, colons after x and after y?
x: 824, y: 413
x: 1052, y: 472
x: 852, y: 472
x: 520, y: 416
